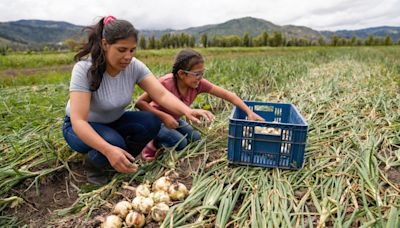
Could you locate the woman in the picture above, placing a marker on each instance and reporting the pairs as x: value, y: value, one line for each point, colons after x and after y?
x: 185, y: 82
x: 101, y: 87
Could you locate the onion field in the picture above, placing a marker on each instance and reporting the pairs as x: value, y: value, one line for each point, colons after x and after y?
x: 349, y: 96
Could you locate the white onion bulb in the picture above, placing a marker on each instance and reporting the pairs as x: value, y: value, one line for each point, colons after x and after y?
x: 143, y: 190
x: 159, y: 212
x: 142, y: 204
x: 178, y: 191
x: 135, y: 219
x: 172, y: 174
x: 136, y: 202
x: 160, y: 196
x: 146, y: 205
x: 122, y: 208
x: 162, y: 184
x: 112, y: 221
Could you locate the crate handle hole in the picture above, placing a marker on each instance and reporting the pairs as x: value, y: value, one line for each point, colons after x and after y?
x: 267, y: 130
x: 264, y: 108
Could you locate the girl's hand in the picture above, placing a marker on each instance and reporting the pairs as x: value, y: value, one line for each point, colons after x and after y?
x: 253, y: 116
x: 204, y: 113
x: 121, y: 160
x: 169, y: 121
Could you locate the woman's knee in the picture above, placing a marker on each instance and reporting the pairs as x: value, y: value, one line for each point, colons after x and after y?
x: 114, y: 139
x: 196, y: 136
x: 154, y: 123
x: 181, y: 144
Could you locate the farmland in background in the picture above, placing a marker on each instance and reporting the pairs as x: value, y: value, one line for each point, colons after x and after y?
x: 350, y: 97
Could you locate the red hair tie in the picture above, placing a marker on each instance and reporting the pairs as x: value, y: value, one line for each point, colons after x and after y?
x: 107, y: 19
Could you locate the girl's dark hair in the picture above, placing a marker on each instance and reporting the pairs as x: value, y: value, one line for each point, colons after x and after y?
x: 185, y: 60
x: 113, y: 31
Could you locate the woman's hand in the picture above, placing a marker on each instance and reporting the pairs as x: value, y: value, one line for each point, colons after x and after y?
x: 207, y: 115
x: 169, y: 121
x: 253, y: 116
x: 121, y: 160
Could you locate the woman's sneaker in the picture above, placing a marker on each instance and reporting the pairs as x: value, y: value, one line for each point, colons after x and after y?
x: 149, y: 151
x: 95, y: 175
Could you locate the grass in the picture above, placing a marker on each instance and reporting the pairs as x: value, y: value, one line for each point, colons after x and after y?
x: 349, y: 96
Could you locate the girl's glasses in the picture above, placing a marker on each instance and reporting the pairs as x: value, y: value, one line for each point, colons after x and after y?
x: 196, y: 74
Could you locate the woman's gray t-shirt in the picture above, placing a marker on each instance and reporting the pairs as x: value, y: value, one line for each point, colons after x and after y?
x: 108, y: 103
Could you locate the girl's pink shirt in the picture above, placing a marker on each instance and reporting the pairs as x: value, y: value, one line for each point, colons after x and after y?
x: 169, y: 83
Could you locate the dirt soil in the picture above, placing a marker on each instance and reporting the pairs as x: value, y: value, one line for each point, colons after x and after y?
x: 57, y: 191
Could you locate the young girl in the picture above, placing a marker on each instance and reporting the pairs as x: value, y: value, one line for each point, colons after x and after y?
x: 101, y: 87
x: 185, y: 82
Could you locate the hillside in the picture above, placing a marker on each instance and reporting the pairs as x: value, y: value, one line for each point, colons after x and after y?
x: 253, y: 26
x: 39, y: 32
x: 382, y: 31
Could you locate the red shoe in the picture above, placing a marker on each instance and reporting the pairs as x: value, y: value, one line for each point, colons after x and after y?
x: 149, y: 151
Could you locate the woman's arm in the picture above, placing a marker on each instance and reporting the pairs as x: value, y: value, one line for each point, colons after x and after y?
x: 118, y: 158
x: 234, y: 99
x: 162, y: 96
x: 143, y: 103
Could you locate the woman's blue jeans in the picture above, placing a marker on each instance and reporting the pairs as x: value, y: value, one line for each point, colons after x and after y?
x: 184, y: 134
x: 131, y: 132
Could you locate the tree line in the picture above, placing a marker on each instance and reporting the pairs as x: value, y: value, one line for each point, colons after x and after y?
x: 275, y: 39
x: 182, y: 40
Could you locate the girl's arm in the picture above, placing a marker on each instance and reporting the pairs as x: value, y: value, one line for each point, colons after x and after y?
x: 162, y: 96
x: 234, y: 99
x: 118, y: 158
x: 143, y: 103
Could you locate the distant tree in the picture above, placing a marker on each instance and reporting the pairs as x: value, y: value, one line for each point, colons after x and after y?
x: 192, y: 41
x: 166, y: 40
x: 158, y: 44
x: 215, y: 41
x: 204, y: 40
x: 334, y: 40
x: 342, y: 41
x: 398, y: 42
x: 246, y: 40
x: 303, y: 42
x: 291, y: 42
x: 71, y: 44
x: 388, y: 40
x: 142, y: 42
x: 264, y: 39
x: 3, y: 50
x: 46, y: 49
x: 353, y: 40
x: 369, y: 41
x: 321, y: 41
x: 276, y: 39
x: 152, y: 43
x: 174, y: 41
x: 257, y: 41
x: 232, y: 41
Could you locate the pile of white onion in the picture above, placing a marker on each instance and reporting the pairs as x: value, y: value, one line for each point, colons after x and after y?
x: 152, y: 202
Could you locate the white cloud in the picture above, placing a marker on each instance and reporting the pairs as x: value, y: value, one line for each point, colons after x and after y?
x: 179, y: 14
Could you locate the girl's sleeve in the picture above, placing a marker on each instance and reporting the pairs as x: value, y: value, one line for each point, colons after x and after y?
x: 205, y: 86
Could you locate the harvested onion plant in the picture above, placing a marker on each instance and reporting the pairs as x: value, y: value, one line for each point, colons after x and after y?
x: 152, y: 203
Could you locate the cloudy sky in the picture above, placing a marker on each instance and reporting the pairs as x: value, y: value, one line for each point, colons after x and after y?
x: 180, y: 14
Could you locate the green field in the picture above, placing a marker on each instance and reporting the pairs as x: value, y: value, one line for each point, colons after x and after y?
x: 350, y: 98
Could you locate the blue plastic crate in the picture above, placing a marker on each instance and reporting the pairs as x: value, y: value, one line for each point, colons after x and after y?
x: 278, y: 142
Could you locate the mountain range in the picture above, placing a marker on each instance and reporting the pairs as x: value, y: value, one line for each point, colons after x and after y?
x: 31, y: 32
